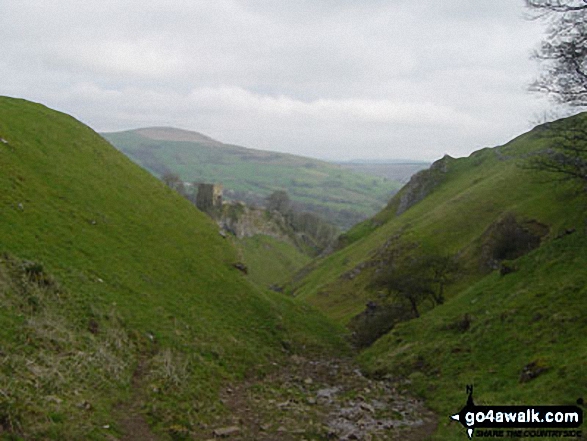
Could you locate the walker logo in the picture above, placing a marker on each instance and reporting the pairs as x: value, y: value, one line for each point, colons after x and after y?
x: 539, y: 421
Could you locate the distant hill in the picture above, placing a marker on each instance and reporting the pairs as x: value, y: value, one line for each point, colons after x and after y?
x: 511, y: 319
x: 335, y: 193
x: 400, y: 171
x: 122, y: 311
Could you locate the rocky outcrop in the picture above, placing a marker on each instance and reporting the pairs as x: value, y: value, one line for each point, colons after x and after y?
x: 243, y: 221
x: 422, y: 184
x: 507, y: 239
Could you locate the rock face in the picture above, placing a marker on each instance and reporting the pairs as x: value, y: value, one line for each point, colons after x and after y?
x: 308, y: 233
x: 507, y: 239
x: 244, y: 221
x: 422, y: 184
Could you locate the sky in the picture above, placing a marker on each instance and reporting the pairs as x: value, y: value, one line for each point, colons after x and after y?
x: 331, y: 79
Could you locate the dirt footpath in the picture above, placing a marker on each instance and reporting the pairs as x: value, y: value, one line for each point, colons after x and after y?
x: 321, y: 400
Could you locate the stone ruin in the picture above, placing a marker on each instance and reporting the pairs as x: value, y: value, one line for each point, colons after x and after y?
x: 209, y: 197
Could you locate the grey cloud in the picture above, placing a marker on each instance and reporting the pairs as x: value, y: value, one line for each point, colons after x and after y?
x: 325, y: 78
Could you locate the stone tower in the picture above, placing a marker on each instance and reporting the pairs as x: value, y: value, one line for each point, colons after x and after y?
x: 209, y: 197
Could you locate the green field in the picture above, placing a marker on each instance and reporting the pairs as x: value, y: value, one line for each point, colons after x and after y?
x: 337, y: 194
x: 116, y: 293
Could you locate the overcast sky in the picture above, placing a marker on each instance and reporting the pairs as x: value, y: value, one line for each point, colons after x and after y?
x: 334, y: 79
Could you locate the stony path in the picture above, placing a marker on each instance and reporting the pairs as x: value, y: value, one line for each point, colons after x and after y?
x: 320, y: 400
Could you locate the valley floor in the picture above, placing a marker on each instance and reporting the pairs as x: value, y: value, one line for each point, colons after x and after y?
x: 318, y: 399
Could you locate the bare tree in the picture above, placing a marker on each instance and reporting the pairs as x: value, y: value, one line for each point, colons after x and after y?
x: 416, y: 278
x: 445, y: 269
x: 173, y: 181
x: 279, y: 201
x: 566, y: 155
x: 563, y: 51
x: 564, y: 55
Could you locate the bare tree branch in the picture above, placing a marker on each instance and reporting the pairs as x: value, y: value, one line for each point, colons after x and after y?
x: 565, y: 158
x: 564, y: 50
x: 557, y: 5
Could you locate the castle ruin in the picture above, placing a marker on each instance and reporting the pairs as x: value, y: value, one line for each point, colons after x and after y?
x: 209, y: 197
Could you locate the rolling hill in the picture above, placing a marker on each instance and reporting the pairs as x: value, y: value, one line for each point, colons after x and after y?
x: 122, y: 310
x: 331, y: 191
x: 511, y: 321
x: 400, y: 171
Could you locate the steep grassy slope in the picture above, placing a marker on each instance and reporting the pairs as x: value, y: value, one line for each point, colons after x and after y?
x: 270, y: 261
x: 466, y: 197
x: 339, y: 195
x: 530, y: 322
x: 126, y: 292
x: 518, y: 336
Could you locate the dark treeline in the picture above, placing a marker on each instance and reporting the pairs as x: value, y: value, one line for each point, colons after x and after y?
x: 314, y: 231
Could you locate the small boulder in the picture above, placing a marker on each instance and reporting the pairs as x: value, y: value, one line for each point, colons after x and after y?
x: 367, y: 407
x: 241, y: 267
x: 225, y: 432
x: 531, y: 371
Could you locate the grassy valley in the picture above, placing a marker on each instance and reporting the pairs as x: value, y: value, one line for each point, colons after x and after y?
x: 465, y: 198
x: 118, y: 295
x: 331, y: 191
x: 510, y: 321
x: 157, y: 284
x: 126, y: 314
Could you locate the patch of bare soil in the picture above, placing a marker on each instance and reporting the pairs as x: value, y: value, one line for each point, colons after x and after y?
x: 320, y: 400
x: 132, y: 422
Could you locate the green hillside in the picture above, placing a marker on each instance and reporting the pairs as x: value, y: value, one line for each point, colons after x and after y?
x: 520, y: 339
x: 337, y: 194
x: 502, y: 313
x: 467, y: 197
x: 400, y: 171
x: 270, y: 261
x: 118, y: 296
